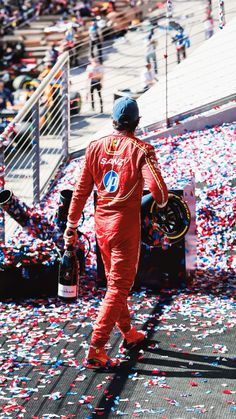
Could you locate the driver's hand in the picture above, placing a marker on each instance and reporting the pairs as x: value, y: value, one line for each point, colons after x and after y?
x: 70, y: 236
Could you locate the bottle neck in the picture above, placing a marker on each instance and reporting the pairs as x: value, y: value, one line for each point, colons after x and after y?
x: 70, y: 250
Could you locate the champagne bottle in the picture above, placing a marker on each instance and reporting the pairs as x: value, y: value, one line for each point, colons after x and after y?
x: 68, y: 282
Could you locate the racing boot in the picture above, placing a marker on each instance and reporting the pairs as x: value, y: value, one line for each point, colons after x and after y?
x: 133, y: 337
x: 98, y: 358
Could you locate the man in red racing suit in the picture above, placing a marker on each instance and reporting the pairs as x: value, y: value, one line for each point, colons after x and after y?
x: 118, y: 165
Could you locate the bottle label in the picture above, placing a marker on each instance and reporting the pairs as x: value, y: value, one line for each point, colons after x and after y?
x: 67, y: 291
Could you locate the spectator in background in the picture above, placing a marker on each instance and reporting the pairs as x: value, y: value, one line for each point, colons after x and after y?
x: 19, y: 50
x: 209, y: 8
x: 182, y: 42
x: 95, y: 40
x: 111, y: 6
x: 151, y: 50
x: 69, y: 43
x: 85, y: 9
x: 13, y: 13
x: 95, y: 74
x: 7, y: 58
x: 51, y: 56
x: 28, y: 9
x: 6, y: 96
x: 6, y: 16
x: 79, y: 19
x: 70, y: 36
x: 6, y: 78
x: 209, y: 27
x: 2, y: 47
x: 148, y: 77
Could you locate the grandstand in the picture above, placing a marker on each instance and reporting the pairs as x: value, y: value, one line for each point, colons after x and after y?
x: 188, y: 367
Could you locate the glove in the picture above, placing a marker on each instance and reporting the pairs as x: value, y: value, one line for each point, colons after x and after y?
x: 70, y: 237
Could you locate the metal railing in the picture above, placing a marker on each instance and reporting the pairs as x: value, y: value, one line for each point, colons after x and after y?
x: 36, y: 140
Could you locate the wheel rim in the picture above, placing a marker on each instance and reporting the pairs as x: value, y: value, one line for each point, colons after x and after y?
x: 171, y: 222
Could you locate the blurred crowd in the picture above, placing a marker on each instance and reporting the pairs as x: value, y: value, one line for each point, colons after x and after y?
x: 97, y: 19
x: 11, y: 53
x: 14, y: 13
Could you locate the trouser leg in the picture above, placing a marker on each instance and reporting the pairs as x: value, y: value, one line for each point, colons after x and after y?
x: 99, y: 48
x: 99, y: 89
x: 155, y: 63
x: 178, y: 56
x: 151, y: 57
x: 91, y: 48
x: 124, y: 321
x: 114, y: 309
x: 92, y: 95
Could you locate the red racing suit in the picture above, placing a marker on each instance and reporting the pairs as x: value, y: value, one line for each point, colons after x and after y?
x: 118, y: 165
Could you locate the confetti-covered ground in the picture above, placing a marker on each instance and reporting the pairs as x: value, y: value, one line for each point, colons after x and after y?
x: 188, y: 369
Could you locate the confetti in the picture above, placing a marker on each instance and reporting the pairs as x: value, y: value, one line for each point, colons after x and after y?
x: 32, y: 331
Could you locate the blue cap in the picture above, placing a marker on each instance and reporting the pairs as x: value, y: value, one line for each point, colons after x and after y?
x: 125, y: 109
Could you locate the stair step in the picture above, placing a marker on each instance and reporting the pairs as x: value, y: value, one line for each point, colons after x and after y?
x: 39, y: 24
x: 38, y: 48
x: 50, y: 18
x: 35, y: 54
x: 34, y: 42
x: 28, y: 32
